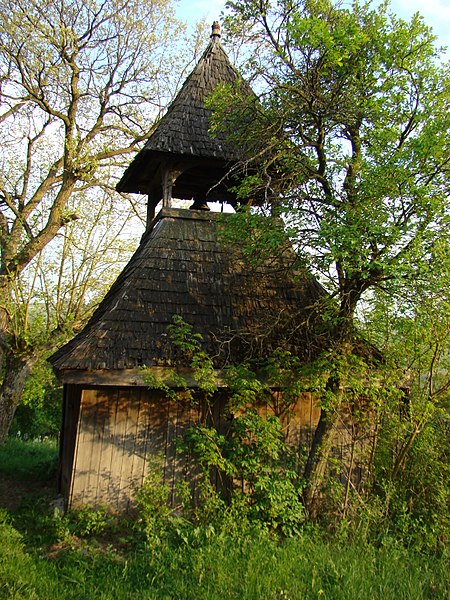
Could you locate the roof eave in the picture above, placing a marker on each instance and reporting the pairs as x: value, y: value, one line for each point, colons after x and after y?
x: 138, y: 377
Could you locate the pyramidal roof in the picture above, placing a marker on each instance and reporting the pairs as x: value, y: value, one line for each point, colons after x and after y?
x: 183, y: 267
x: 185, y: 127
x: 184, y: 130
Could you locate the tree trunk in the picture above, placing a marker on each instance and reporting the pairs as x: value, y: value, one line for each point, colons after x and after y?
x: 330, y: 416
x: 17, y: 370
x: 316, y: 466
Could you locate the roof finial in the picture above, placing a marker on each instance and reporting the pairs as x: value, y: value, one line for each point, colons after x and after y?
x: 215, y: 34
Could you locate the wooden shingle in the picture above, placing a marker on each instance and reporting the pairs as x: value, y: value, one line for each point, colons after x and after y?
x: 182, y: 267
x: 182, y: 143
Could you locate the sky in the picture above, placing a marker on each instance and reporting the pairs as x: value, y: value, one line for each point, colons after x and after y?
x: 435, y: 12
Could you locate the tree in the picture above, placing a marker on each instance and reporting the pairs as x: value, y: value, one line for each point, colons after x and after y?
x: 80, y: 82
x: 349, y: 142
x: 410, y: 469
x: 59, y: 290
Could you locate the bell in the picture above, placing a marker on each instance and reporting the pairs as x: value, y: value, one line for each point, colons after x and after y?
x: 199, y: 205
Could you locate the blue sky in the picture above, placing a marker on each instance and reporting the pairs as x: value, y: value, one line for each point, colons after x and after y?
x: 435, y: 12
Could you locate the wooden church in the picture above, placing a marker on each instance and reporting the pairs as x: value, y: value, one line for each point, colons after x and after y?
x: 114, y: 424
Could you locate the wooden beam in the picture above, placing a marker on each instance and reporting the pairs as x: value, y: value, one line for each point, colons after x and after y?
x: 135, y: 377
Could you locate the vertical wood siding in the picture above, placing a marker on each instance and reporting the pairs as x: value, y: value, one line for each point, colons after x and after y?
x: 71, y: 409
x: 124, y: 432
x: 121, y: 433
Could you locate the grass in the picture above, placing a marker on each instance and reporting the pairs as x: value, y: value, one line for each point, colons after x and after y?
x: 89, y: 555
x: 24, y: 459
x: 254, y: 568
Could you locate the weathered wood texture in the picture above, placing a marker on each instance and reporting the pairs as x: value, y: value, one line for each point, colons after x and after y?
x: 183, y: 267
x: 182, y: 136
x: 114, y: 427
x: 71, y: 409
x: 185, y: 127
x: 125, y: 432
x: 121, y: 433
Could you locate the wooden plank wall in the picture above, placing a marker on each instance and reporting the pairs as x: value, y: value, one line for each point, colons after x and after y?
x: 71, y: 409
x: 122, y: 432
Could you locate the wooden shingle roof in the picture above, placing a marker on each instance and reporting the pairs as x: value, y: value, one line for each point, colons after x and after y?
x: 183, y: 267
x: 182, y: 136
x: 185, y: 127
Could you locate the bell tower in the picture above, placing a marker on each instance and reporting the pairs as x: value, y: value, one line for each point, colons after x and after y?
x: 181, y: 159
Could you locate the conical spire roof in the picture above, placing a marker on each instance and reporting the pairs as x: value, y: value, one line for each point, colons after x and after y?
x: 185, y: 127
x: 183, y: 132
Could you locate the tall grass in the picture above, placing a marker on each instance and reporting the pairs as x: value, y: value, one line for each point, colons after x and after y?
x: 28, y: 459
x: 221, y: 567
x: 90, y: 555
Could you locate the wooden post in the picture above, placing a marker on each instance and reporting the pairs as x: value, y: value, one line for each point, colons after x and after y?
x: 167, y: 185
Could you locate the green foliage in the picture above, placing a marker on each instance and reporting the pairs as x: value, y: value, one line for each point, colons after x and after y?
x: 262, y: 237
x: 411, y: 461
x: 256, y: 467
x: 183, y: 337
x: 212, y: 567
x: 348, y: 143
x: 66, y: 71
x: 85, y: 522
x: 17, y: 568
x: 349, y: 140
x: 189, y: 343
x: 91, y: 554
x: 259, y: 472
x: 411, y: 502
x: 39, y: 411
x: 153, y: 503
x: 29, y: 459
